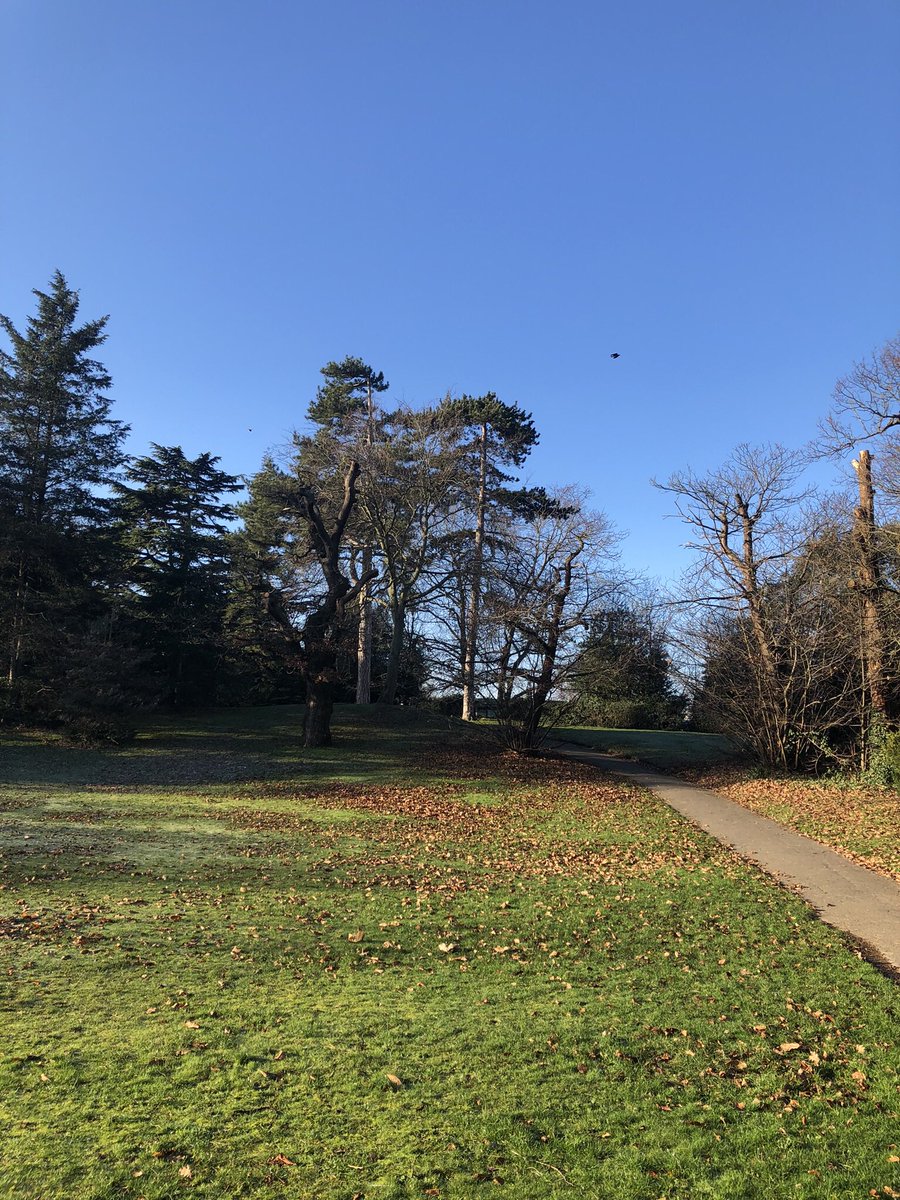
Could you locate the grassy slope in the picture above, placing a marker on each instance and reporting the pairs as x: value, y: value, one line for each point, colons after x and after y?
x: 218, y: 951
x: 663, y: 748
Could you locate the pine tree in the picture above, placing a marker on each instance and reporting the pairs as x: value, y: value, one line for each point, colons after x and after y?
x: 500, y: 436
x: 345, y: 408
x: 174, y: 525
x: 58, y: 448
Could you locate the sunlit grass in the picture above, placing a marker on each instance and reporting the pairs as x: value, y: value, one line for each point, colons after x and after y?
x: 465, y: 976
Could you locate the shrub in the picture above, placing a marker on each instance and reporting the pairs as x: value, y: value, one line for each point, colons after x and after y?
x: 97, y: 729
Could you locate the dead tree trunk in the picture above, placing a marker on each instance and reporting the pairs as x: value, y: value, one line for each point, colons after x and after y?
x: 868, y: 584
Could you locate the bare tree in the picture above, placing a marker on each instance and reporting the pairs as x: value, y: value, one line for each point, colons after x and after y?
x: 558, y: 572
x: 866, y: 401
x: 755, y: 585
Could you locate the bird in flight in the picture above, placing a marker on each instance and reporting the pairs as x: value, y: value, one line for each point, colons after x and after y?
x: 615, y: 355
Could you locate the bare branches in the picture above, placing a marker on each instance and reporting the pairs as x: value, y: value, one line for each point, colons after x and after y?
x: 866, y: 401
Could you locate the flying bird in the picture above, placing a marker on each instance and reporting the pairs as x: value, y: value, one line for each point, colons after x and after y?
x: 615, y: 355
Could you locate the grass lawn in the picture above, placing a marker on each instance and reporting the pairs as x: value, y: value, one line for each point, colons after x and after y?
x: 407, y: 967
x: 663, y: 748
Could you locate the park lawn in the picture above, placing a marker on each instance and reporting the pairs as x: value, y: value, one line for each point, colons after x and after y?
x: 406, y: 966
x: 667, y: 749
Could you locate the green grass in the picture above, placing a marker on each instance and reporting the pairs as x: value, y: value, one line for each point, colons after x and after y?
x: 218, y: 950
x: 664, y: 748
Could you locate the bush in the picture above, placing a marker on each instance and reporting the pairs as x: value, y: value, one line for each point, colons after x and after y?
x: 97, y: 729
x: 884, y: 766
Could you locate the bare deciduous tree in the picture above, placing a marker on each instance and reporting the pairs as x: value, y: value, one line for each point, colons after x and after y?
x: 768, y: 616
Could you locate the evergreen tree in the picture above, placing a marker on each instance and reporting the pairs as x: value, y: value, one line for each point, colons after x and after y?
x: 498, y: 436
x: 345, y: 410
x: 623, y: 679
x: 296, y: 527
x: 58, y: 448
x: 174, y: 528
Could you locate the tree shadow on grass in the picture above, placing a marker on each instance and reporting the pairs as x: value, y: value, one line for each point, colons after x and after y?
x: 228, y: 746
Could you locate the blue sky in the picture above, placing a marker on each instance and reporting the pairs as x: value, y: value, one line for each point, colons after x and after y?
x: 484, y: 195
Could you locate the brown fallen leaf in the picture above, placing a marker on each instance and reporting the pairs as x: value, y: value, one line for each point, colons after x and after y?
x: 356, y: 936
x: 393, y: 1079
x: 787, y: 1047
x: 282, y: 1160
x: 278, y: 1056
x: 446, y: 947
x: 192, y: 1024
x: 185, y: 1172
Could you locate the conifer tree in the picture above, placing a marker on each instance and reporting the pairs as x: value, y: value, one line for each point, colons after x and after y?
x: 499, y: 436
x: 345, y: 408
x: 59, y: 446
x: 174, y: 525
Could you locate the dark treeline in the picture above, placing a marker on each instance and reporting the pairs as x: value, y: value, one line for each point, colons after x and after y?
x: 391, y: 556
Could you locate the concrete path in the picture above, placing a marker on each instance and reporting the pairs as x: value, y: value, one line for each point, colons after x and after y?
x: 850, y: 897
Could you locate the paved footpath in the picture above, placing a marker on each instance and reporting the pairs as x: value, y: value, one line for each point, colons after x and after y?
x: 850, y: 897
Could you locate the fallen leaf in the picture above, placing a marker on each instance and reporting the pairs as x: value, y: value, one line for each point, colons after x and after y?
x: 185, y: 1172
x: 393, y: 1079
x: 282, y: 1160
x: 356, y: 936
x: 446, y: 947
x: 787, y: 1047
x: 192, y: 1024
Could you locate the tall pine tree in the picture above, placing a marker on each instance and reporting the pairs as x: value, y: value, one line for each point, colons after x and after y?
x: 58, y: 448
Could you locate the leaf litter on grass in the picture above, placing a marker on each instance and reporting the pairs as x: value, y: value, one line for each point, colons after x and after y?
x: 573, y: 989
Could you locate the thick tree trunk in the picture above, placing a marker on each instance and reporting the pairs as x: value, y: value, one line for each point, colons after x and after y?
x: 319, y: 705
x: 468, y: 680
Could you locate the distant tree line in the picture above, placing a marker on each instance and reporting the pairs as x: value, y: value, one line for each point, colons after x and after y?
x: 391, y: 556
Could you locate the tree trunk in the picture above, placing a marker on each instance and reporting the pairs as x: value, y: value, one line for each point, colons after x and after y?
x: 869, y: 585
x: 392, y: 675
x: 548, y: 662
x: 468, y: 680
x: 364, y: 638
x: 317, y: 718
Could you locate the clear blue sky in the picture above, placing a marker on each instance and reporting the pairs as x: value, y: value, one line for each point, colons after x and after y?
x: 485, y: 194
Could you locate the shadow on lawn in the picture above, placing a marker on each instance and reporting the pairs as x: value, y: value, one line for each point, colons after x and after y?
x: 204, y: 751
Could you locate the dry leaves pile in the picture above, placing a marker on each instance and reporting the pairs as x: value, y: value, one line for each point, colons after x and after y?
x: 543, y: 819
